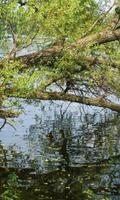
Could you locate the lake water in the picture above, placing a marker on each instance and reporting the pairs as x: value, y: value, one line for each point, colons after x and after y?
x: 61, y: 150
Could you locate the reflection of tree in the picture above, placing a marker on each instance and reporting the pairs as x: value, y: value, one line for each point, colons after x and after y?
x: 92, y: 182
x: 63, y: 141
x: 73, y: 183
x: 3, y: 157
x: 49, y: 136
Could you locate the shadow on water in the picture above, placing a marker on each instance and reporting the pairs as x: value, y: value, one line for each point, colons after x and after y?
x: 62, y: 151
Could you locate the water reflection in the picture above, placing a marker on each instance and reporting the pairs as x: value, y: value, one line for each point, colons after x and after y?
x: 64, y: 151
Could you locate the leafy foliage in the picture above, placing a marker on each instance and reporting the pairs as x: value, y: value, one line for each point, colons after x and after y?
x: 61, y: 22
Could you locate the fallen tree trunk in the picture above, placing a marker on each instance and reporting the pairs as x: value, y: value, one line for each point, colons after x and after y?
x: 46, y: 56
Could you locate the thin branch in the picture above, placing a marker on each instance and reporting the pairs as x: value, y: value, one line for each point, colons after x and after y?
x: 57, y: 84
x: 30, y: 43
x: 98, y: 20
x: 66, y: 109
x: 5, y: 121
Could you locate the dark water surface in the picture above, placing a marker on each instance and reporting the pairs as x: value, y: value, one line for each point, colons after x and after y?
x: 62, y: 151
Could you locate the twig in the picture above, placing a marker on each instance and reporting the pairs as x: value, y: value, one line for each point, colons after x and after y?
x: 5, y: 121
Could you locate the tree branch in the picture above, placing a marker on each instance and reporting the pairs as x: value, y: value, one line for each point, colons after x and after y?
x: 44, y: 56
x: 97, y: 39
x: 97, y: 101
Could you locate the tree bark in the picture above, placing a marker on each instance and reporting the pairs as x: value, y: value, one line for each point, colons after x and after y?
x: 97, y: 38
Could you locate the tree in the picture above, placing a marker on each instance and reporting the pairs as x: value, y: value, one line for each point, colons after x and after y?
x: 80, y: 51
